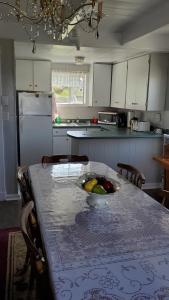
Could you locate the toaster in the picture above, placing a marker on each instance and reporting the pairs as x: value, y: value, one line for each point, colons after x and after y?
x: 143, y: 126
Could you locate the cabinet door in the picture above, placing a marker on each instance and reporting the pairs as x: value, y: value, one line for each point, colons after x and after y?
x: 61, y: 145
x: 157, y: 82
x: 137, y: 83
x: 24, y: 75
x: 101, y: 84
x: 42, y: 76
x: 118, y: 92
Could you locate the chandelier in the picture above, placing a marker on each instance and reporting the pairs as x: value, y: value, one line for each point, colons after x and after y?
x: 55, y: 18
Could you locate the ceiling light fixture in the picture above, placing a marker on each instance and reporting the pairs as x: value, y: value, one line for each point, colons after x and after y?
x: 79, y: 60
x: 54, y: 17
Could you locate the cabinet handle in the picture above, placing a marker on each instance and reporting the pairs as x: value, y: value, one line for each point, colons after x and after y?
x: 116, y: 101
x: 36, y: 85
x: 134, y: 103
x: 30, y: 84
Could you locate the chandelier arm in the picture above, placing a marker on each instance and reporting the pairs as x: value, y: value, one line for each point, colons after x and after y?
x: 77, y: 9
x: 80, y: 21
x: 23, y: 14
x: 37, y: 21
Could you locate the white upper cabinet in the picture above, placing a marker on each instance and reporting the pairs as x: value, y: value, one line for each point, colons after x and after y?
x: 33, y: 75
x: 42, y: 76
x: 147, y: 82
x: 24, y: 75
x: 119, y: 80
x: 137, y: 83
x: 101, y: 84
x: 157, y: 82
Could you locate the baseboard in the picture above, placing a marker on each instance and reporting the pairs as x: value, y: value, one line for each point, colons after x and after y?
x: 10, y: 197
x: 151, y: 185
x: 2, y: 196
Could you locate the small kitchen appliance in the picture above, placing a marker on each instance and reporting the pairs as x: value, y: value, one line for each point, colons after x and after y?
x: 112, y: 118
x: 134, y: 123
x: 108, y: 117
x: 143, y: 126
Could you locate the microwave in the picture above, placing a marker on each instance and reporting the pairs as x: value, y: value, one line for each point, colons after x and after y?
x: 112, y: 118
x: 108, y: 117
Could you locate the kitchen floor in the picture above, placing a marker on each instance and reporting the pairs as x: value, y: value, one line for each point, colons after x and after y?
x: 10, y: 213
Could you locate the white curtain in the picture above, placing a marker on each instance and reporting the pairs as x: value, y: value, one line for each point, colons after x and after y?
x: 68, y: 79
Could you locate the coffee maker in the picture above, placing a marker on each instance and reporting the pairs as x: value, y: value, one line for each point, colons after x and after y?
x: 122, y: 120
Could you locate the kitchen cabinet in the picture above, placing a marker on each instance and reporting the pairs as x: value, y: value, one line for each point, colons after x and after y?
x: 119, y: 81
x: 101, y: 84
x: 147, y: 82
x: 61, y: 145
x: 42, y: 76
x: 137, y: 83
x: 33, y: 75
x: 24, y: 75
x: 157, y: 82
x: 61, y: 142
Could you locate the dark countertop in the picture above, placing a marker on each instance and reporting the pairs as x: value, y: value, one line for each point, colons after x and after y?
x: 111, y: 133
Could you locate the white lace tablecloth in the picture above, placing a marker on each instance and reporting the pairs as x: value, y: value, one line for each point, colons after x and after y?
x: 114, y: 253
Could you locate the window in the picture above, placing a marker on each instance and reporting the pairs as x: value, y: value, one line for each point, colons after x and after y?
x: 69, y: 86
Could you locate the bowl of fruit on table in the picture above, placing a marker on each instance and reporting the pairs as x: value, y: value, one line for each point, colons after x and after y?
x: 100, y: 188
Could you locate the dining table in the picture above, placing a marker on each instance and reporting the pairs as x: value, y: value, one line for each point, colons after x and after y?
x: 117, y: 251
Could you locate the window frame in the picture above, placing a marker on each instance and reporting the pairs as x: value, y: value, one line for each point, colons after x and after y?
x: 86, y: 92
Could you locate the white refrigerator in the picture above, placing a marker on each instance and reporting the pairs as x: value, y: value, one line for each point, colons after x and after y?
x: 34, y: 127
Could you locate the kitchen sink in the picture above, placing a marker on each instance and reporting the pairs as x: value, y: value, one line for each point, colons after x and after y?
x: 67, y: 124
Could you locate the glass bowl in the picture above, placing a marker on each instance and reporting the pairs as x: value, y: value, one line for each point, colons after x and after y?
x: 94, y: 199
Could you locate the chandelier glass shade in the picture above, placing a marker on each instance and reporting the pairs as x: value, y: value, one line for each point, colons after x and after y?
x: 56, y: 18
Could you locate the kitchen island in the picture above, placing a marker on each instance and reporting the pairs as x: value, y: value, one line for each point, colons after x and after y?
x: 114, y: 145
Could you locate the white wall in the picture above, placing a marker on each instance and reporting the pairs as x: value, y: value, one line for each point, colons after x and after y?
x: 9, y: 116
x: 2, y: 160
x: 67, y: 112
x: 166, y: 120
x: 157, y: 119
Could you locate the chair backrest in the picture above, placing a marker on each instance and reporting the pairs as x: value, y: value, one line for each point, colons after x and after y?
x: 165, y: 194
x: 35, y: 255
x: 63, y: 158
x: 24, y: 184
x: 132, y: 174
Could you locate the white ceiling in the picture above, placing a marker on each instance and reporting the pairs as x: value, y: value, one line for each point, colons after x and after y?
x: 129, y: 28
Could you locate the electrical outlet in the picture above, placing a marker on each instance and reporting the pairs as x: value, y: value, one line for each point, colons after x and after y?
x: 158, y: 117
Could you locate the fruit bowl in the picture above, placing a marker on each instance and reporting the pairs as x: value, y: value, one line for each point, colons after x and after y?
x: 100, y: 188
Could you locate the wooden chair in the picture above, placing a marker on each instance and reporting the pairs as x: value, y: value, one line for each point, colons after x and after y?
x: 63, y: 158
x: 37, y: 262
x: 165, y: 194
x: 24, y: 184
x: 132, y: 174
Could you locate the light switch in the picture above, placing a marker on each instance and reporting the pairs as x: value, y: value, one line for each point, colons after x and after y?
x: 5, y: 100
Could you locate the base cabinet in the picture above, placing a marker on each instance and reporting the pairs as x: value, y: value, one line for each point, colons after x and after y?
x: 137, y: 152
x: 61, y: 145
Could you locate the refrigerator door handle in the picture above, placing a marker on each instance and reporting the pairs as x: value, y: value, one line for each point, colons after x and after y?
x: 21, y: 107
x: 21, y: 124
